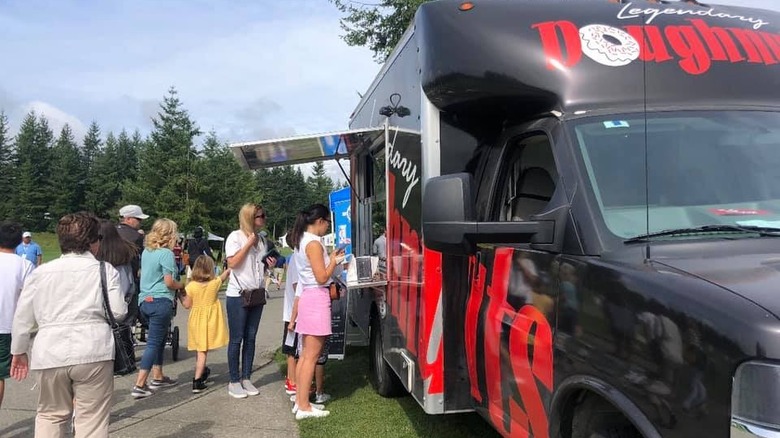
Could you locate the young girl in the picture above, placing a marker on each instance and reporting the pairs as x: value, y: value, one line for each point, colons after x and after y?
x: 206, y: 328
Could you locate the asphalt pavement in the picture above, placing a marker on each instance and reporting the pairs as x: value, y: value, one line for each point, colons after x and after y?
x: 176, y: 411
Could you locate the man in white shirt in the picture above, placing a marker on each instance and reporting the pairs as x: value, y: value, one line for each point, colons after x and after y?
x: 13, y: 271
x: 380, y: 246
x: 289, y: 339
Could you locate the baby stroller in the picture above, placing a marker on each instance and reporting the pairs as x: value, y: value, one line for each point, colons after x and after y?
x: 173, y: 332
x: 140, y: 327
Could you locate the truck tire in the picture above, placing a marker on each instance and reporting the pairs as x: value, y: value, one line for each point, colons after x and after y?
x: 596, y: 418
x: 383, y: 378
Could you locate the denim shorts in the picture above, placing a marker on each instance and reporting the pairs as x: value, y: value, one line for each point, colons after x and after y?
x: 5, y: 356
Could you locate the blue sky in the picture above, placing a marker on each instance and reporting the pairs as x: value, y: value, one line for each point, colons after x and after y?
x: 247, y: 69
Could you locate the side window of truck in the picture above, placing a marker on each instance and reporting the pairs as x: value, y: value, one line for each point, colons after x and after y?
x: 528, y: 178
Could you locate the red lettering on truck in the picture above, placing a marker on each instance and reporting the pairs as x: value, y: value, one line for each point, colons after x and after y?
x: 694, y: 47
x: 512, y: 377
x: 414, y: 304
x: 431, y: 323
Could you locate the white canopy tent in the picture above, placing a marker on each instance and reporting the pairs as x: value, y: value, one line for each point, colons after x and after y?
x: 216, y: 238
x: 327, y: 240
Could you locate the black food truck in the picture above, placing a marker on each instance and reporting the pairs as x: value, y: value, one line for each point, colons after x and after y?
x: 582, y: 204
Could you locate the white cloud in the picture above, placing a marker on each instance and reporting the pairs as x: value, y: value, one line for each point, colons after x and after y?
x: 248, y: 72
x: 57, y: 118
x: 289, y: 75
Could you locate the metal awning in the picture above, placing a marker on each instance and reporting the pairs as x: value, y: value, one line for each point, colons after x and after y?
x: 305, y: 149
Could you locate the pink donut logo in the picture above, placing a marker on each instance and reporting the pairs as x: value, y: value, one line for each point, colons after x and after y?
x: 608, y: 45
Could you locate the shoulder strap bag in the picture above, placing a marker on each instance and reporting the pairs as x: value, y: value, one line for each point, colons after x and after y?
x: 337, y: 289
x: 124, y: 350
x: 250, y: 297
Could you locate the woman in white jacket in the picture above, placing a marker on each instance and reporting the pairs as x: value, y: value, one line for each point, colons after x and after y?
x: 73, y: 349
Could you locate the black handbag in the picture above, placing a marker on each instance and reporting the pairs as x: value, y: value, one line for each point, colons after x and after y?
x: 124, y: 350
x: 250, y: 297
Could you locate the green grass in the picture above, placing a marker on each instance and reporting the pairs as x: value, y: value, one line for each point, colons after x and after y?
x: 49, y: 245
x: 358, y: 411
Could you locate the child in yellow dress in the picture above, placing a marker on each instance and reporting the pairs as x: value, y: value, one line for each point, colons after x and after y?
x: 206, y: 328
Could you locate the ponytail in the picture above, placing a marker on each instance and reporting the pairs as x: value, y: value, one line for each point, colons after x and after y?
x: 305, y: 218
x: 295, y: 235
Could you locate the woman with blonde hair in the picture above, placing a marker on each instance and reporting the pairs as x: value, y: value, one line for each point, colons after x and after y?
x: 158, y: 288
x: 245, y: 251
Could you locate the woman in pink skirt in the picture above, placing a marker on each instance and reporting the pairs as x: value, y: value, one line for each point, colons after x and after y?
x: 315, y: 270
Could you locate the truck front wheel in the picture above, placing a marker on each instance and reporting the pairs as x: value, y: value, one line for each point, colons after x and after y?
x: 597, y: 418
x: 383, y: 378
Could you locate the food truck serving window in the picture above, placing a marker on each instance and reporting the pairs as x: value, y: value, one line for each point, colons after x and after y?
x: 698, y: 168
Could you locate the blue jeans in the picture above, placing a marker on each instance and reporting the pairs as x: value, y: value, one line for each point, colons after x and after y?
x: 158, y: 314
x: 242, y: 323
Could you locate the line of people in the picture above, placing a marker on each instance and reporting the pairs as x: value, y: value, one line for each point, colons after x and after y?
x: 59, y: 309
x: 59, y: 328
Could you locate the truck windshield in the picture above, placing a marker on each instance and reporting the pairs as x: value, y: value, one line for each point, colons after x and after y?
x: 699, y: 169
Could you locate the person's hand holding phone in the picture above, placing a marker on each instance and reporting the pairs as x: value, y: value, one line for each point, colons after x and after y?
x: 338, y: 254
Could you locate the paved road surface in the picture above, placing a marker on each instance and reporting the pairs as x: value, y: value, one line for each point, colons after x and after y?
x: 176, y: 412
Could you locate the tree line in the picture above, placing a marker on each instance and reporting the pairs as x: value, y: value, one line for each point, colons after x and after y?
x: 167, y: 173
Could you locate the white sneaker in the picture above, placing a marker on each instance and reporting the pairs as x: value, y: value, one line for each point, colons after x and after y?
x: 316, y: 406
x: 249, y: 388
x: 314, y: 413
x: 236, y: 390
x: 321, y: 397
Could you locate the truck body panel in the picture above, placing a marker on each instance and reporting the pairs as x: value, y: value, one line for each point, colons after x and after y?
x: 576, y: 128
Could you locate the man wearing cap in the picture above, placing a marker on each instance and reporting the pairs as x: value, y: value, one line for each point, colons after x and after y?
x: 132, y: 215
x: 30, y: 250
x: 130, y: 230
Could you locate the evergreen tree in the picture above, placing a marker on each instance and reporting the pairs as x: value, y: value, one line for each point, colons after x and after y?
x: 284, y: 193
x: 33, y: 198
x: 126, y: 155
x: 67, y: 184
x: 225, y: 187
x: 320, y: 185
x: 91, y: 148
x: 91, y: 145
x: 166, y: 185
x: 105, y: 179
x: 8, y: 169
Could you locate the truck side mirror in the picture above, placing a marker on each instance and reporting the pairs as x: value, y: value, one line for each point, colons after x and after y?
x: 450, y: 226
x: 448, y: 214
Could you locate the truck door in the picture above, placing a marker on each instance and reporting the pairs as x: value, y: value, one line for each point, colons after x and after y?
x: 511, y: 307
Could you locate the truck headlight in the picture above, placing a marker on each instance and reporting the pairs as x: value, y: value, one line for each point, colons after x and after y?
x: 755, y: 400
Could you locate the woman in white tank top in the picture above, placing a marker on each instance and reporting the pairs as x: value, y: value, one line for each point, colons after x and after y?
x: 315, y: 270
